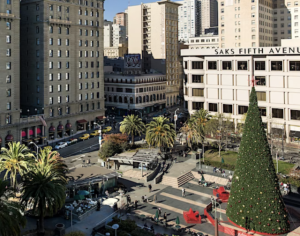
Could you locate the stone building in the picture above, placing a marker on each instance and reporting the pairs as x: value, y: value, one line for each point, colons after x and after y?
x: 61, y: 68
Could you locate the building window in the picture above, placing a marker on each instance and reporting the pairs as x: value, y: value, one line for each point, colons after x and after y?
x: 261, y: 96
x: 8, y: 25
x: 51, y: 41
x: 37, y: 18
x: 212, y: 65
x: 198, y: 92
x: 8, y: 79
x: 263, y: 111
x: 242, y: 65
x: 260, y: 65
x: 276, y: 65
x: 59, y: 88
x: 295, y: 115
x: 8, y: 39
x: 58, y: 42
x: 8, y: 92
x: 8, y: 106
x: 277, y: 113
x: 261, y: 80
x: 197, y: 78
x: 242, y: 110
x: 294, y: 65
x: 198, y: 105
x: 213, y: 107
x: 226, y: 65
x: 67, y: 42
x: 8, y: 119
x: 59, y: 99
x: 50, y: 88
x: 8, y: 2
x: 198, y: 65
x: 67, y: 108
x: 227, y: 108
x: 8, y: 65
x: 8, y: 52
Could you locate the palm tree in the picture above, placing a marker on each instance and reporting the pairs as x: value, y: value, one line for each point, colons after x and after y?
x: 132, y: 125
x: 11, y: 215
x: 160, y: 133
x: 44, y: 189
x: 191, y: 136
x: 198, y: 121
x: 16, y: 159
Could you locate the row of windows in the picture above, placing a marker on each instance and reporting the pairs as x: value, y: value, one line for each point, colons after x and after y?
x: 87, y: 85
x: 138, y: 90
x: 136, y: 81
x: 67, y: 109
x: 243, y: 65
x: 67, y: 98
x: 144, y: 99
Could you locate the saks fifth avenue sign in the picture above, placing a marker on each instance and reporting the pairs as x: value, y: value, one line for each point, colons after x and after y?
x: 257, y: 51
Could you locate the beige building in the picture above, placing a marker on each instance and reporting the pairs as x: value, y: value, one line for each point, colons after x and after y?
x: 121, y: 18
x: 9, y: 70
x: 257, y: 23
x: 203, y: 41
x: 153, y: 33
x: 61, y: 68
x: 208, y: 14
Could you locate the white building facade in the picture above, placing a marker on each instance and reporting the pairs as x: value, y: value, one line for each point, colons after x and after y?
x: 188, y: 20
x: 203, y: 42
x: 219, y: 80
x: 129, y: 92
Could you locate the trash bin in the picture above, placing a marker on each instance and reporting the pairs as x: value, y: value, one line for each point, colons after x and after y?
x: 60, y: 229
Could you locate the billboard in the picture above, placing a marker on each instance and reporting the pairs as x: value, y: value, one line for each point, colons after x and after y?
x: 132, y: 61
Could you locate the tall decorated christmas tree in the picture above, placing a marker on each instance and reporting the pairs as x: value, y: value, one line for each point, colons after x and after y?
x: 255, y: 201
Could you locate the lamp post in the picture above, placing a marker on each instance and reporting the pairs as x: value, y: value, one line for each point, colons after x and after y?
x: 175, y: 118
x: 37, y: 149
x: 282, y: 140
x: 115, y: 227
x: 71, y: 208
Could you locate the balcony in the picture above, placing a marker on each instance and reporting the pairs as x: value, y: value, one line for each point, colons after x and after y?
x: 6, y: 16
x: 60, y: 22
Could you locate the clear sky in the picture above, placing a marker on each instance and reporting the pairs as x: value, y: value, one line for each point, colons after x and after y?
x: 112, y: 7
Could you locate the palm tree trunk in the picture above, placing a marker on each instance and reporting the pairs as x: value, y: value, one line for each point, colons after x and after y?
x: 41, y: 230
x: 132, y: 136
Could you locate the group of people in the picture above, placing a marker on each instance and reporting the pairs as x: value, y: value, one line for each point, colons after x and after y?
x: 286, y: 188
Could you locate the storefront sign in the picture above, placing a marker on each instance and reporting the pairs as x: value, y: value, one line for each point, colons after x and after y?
x: 257, y: 51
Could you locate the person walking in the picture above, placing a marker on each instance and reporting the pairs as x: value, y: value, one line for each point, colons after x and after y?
x: 165, y: 219
x: 183, y: 192
x: 135, y: 204
x: 154, y: 198
x: 159, y: 212
x: 149, y: 187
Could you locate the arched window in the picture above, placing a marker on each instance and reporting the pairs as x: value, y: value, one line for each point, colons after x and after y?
x: 115, y: 99
x: 125, y: 100
x: 131, y: 100
x: 136, y: 100
x: 120, y: 100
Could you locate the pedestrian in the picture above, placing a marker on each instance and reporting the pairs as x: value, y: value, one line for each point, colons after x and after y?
x: 154, y: 198
x: 183, y: 192
x: 289, y: 188
x: 212, y: 199
x: 149, y: 187
x: 159, y: 212
x: 165, y: 216
x: 107, y: 193
x: 143, y: 199
x: 135, y: 204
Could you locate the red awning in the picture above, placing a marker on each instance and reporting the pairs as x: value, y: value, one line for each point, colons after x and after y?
x: 60, y: 127
x: 99, y: 117
x: 68, y: 126
x: 52, y: 129
x: 30, y: 132
x: 23, y: 133
x: 81, y: 121
x: 38, y: 131
x: 9, y: 138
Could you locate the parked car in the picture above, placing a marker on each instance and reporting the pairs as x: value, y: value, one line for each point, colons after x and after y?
x: 61, y: 145
x: 84, y: 137
x: 95, y: 133
x: 107, y: 129
x: 71, y: 141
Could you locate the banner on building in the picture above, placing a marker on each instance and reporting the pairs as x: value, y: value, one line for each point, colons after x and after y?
x: 132, y: 61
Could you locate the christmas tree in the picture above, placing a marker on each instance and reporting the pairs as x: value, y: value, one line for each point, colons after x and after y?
x: 255, y: 201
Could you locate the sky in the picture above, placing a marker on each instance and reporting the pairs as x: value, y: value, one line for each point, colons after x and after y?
x: 112, y: 7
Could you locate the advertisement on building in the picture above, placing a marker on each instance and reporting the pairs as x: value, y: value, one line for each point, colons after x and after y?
x: 132, y: 61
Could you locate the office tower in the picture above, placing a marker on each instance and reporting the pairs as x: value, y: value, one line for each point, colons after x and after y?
x: 153, y: 33
x: 121, y: 18
x: 9, y: 70
x: 208, y: 14
x: 61, y: 66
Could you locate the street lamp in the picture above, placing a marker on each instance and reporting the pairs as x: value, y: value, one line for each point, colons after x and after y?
x: 100, y: 134
x: 175, y: 118
x: 71, y: 208
x: 37, y: 149
x: 115, y: 227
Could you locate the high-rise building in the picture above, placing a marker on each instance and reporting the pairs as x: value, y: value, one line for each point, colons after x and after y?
x: 10, y: 69
x: 188, y: 20
x: 257, y: 23
x: 115, y: 40
x: 121, y: 18
x: 61, y: 67
x: 153, y: 33
x: 208, y: 14
x: 195, y: 17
